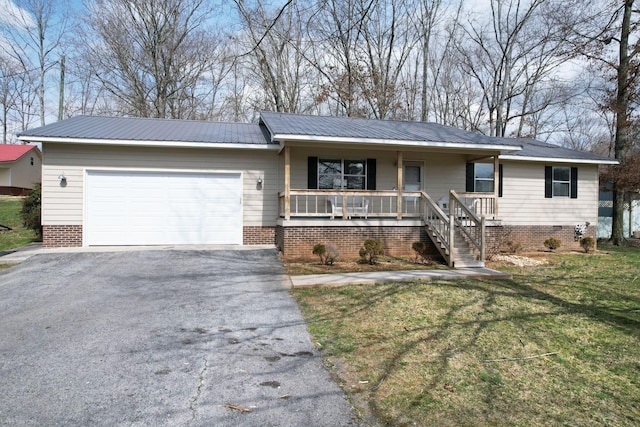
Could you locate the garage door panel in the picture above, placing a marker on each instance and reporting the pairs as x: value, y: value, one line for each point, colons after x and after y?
x: 152, y: 208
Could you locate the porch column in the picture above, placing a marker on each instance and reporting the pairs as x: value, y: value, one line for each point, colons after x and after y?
x: 287, y: 183
x: 496, y: 183
x: 400, y: 184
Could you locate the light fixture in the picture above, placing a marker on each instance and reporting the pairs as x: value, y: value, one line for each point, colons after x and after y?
x: 259, y: 180
x: 61, y: 177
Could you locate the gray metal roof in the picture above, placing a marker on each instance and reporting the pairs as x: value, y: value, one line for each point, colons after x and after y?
x: 532, y: 148
x: 137, y: 129
x: 283, y: 125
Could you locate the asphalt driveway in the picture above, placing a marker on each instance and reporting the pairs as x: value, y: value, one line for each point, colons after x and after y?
x: 159, y: 338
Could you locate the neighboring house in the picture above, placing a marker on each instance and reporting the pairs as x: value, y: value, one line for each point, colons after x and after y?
x: 20, y: 168
x: 297, y: 180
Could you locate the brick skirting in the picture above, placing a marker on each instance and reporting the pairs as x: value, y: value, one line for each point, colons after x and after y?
x: 532, y: 237
x: 252, y: 235
x: 297, y: 242
x: 57, y: 236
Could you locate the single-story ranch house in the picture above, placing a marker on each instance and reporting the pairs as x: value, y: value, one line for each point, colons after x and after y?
x: 297, y: 180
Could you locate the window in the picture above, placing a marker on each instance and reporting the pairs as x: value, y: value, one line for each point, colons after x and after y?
x: 479, y: 178
x: 341, y: 174
x: 561, y: 181
x: 483, y: 178
x: 413, y: 176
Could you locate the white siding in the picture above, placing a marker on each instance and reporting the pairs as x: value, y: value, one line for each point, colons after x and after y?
x: 22, y: 173
x: 64, y: 205
x: 523, y: 201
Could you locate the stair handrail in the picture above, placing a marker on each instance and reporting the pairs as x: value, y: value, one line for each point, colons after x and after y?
x: 437, y: 220
x: 474, y: 229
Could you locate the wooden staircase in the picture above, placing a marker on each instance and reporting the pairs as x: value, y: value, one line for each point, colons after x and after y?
x: 464, y: 254
x: 459, y: 235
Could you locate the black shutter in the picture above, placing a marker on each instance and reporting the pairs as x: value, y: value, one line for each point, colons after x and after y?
x: 470, y: 181
x: 371, y: 174
x: 500, y: 180
x: 312, y: 170
x: 548, y: 182
x: 574, y: 183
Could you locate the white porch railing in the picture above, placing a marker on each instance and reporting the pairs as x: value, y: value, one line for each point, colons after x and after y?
x: 375, y: 204
x: 349, y: 204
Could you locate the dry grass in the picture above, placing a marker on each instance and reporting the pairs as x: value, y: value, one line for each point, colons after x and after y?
x: 432, y: 353
x: 302, y: 267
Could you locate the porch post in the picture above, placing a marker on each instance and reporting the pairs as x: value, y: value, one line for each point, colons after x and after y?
x: 400, y: 184
x: 287, y: 183
x: 496, y: 183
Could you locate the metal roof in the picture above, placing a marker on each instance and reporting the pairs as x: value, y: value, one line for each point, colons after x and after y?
x: 285, y: 126
x: 534, y: 149
x: 12, y: 152
x: 139, y: 129
x: 277, y: 127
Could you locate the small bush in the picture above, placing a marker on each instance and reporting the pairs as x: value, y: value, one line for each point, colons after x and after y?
x: 320, y: 250
x: 31, y: 211
x: 552, y: 243
x: 327, y: 254
x: 371, y: 250
x: 588, y: 243
x: 420, y: 248
x: 514, y: 247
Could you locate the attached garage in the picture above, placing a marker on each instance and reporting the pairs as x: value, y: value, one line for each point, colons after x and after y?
x: 162, y: 208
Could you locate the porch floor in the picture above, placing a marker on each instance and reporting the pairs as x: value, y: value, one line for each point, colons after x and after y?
x: 372, y: 277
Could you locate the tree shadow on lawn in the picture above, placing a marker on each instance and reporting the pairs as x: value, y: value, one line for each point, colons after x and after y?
x: 490, y: 298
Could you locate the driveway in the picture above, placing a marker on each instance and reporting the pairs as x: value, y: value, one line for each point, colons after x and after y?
x: 159, y: 338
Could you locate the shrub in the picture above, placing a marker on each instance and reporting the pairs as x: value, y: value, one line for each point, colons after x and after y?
x: 552, y: 243
x: 588, y: 243
x: 514, y: 247
x: 31, y: 211
x: 420, y: 248
x: 328, y: 254
x: 371, y: 250
x: 332, y: 255
x: 320, y: 250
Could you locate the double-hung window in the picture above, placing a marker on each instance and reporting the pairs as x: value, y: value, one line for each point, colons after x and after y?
x: 561, y: 181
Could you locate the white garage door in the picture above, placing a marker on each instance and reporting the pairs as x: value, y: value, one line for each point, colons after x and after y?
x: 159, y: 208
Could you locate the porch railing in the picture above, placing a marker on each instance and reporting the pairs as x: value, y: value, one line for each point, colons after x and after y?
x: 468, y: 222
x: 375, y: 204
x: 350, y: 204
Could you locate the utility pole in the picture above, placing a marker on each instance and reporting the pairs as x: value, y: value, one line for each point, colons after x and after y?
x: 61, y: 101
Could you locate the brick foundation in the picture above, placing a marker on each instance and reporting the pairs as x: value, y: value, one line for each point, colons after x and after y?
x: 532, y: 237
x: 258, y: 235
x: 298, y: 242
x: 57, y: 236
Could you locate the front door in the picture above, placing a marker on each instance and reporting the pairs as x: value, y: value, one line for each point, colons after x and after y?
x: 413, y: 181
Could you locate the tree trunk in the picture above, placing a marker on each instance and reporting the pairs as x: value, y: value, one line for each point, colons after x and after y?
x: 622, y: 122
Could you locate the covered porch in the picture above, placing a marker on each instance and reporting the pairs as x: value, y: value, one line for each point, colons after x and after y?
x: 453, y: 219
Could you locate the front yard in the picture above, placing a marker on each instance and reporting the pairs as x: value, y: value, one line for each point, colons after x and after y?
x: 557, y: 345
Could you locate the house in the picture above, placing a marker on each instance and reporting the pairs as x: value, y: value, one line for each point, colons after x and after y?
x: 297, y: 180
x: 20, y: 168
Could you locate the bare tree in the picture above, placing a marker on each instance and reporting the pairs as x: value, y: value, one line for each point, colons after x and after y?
x: 150, y: 55
x: 34, y: 31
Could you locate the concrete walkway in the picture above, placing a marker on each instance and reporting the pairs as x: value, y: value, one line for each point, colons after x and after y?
x: 398, y: 276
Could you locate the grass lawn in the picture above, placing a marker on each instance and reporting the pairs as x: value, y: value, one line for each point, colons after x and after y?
x: 10, y: 216
x: 557, y: 345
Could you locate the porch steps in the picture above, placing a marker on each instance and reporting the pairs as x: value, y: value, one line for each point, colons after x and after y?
x: 464, y: 255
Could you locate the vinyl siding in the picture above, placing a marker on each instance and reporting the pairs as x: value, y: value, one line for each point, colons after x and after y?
x: 523, y: 201
x: 23, y: 174
x: 441, y: 172
x: 64, y: 205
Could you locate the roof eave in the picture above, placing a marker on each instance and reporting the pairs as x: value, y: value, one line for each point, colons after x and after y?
x: 392, y: 142
x: 560, y: 160
x: 149, y: 143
